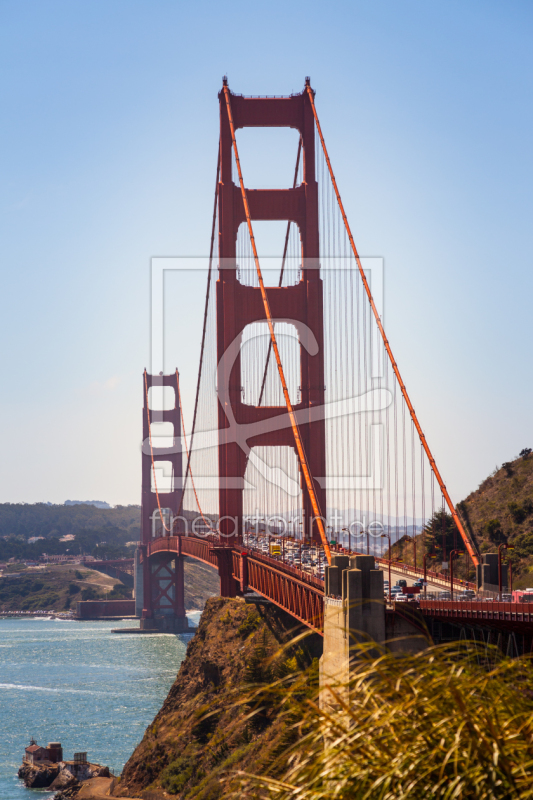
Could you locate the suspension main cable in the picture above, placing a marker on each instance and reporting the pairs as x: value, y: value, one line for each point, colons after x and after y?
x: 297, y: 439
x: 202, y: 347
x: 152, y: 454
x: 421, y: 435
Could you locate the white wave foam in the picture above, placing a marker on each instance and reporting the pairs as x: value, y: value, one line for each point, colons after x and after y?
x: 22, y: 687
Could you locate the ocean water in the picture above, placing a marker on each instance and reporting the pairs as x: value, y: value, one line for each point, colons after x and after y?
x: 79, y: 684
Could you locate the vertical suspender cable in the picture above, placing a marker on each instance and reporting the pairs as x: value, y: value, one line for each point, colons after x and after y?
x: 207, y: 522
x: 294, y: 184
x: 297, y: 439
x: 425, y: 445
x: 202, y: 347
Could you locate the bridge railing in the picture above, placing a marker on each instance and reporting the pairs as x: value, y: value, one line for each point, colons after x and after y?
x: 282, y: 566
x: 436, y: 577
x: 478, y: 609
x: 299, y: 593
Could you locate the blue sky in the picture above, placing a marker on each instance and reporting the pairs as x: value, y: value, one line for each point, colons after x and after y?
x: 108, y: 152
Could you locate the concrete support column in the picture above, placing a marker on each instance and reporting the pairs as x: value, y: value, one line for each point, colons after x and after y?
x: 354, y: 612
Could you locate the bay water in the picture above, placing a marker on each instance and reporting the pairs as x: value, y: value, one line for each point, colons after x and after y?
x: 82, y: 685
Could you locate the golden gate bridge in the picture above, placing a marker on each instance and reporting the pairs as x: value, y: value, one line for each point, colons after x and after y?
x: 303, y: 431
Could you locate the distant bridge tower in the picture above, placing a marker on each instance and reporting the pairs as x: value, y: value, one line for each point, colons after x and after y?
x: 239, y: 306
x: 159, y: 578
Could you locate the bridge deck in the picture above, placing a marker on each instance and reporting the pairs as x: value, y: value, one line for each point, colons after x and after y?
x: 301, y: 593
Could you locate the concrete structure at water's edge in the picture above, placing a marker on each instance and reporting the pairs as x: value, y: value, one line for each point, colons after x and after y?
x: 487, y: 573
x: 105, y: 609
x: 355, y: 612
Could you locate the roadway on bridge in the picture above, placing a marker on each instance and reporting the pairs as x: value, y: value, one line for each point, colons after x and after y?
x: 396, y: 574
x: 316, y: 556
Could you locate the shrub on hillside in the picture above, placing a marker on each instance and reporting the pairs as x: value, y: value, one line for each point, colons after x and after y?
x: 494, y: 529
x: 454, y: 721
x: 519, y: 511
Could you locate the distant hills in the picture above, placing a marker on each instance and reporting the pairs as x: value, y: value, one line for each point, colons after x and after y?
x: 102, y: 532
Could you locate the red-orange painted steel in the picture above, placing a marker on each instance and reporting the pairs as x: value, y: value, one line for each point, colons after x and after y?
x: 487, y: 611
x: 299, y: 594
x: 155, y: 598
x: 301, y: 600
x: 302, y: 595
x: 239, y: 305
x: 302, y: 457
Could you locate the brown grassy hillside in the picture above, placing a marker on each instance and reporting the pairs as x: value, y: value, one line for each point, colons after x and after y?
x: 201, y: 582
x: 203, y: 729
x: 499, y: 510
x: 59, y: 587
x: 56, y: 588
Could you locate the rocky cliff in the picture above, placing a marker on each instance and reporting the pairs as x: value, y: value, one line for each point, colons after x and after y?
x: 222, y: 713
x: 62, y: 776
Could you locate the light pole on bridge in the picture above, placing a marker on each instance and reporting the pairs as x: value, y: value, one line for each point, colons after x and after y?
x: 425, y: 571
x: 347, y: 530
x: 453, y: 553
x: 505, y: 547
x: 387, y: 536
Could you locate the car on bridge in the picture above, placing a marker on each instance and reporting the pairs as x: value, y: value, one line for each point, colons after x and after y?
x: 468, y: 594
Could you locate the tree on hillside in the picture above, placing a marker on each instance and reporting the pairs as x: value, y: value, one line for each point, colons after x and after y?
x: 440, y: 533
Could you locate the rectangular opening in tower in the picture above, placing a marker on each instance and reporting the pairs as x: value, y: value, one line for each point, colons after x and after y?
x: 164, y: 476
x: 279, y: 249
x: 161, y: 398
x: 260, y: 381
x: 272, y: 501
x: 268, y: 157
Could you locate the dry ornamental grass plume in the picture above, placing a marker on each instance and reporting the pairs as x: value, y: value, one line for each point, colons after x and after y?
x: 453, y: 721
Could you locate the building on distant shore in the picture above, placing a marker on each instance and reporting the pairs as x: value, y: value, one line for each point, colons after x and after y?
x: 96, y: 503
x: 35, y: 754
x: 57, y: 559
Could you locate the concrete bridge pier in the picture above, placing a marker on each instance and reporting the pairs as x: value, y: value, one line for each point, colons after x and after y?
x: 487, y: 574
x: 354, y: 612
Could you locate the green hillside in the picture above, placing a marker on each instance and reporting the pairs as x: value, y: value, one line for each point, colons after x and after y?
x: 102, y: 532
x: 499, y: 511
